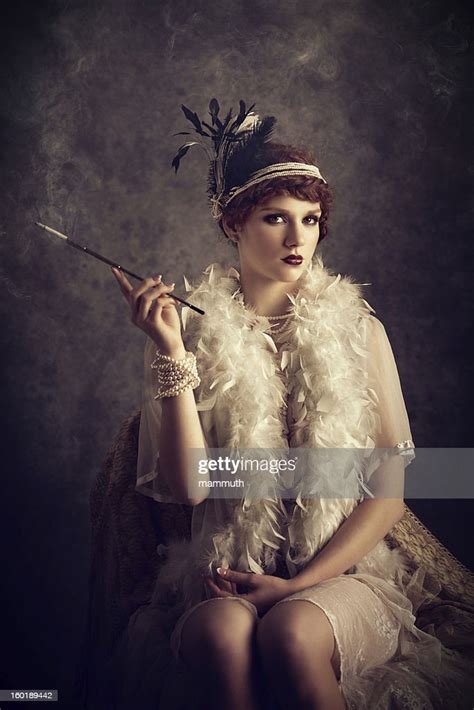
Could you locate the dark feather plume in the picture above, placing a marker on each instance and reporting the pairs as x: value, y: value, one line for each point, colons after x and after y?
x: 235, y: 155
x: 247, y: 155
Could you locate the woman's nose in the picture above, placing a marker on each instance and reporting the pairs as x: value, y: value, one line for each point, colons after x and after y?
x: 294, y: 235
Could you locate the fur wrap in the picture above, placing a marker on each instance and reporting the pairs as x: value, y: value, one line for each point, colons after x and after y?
x: 244, y: 385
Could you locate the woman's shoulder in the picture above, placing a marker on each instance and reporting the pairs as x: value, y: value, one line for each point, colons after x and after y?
x: 376, y: 324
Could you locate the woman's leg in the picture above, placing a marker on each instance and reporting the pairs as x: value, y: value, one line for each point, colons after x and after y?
x: 300, y: 656
x: 218, y: 644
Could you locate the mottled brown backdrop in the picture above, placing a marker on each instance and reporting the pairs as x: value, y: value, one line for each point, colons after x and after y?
x: 90, y: 98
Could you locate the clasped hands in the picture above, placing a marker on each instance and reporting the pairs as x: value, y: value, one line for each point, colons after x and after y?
x: 263, y: 590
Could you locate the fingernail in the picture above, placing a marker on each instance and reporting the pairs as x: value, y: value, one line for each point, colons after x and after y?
x: 221, y: 570
x: 158, y: 278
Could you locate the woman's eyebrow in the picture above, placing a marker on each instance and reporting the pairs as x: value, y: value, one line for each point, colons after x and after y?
x: 279, y: 209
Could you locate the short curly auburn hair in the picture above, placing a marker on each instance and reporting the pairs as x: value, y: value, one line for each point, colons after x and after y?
x: 303, y: 187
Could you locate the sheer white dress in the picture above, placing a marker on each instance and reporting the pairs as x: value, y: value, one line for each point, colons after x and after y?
x: 386, y: 661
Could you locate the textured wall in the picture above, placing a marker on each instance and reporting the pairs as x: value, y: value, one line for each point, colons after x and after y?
x: 91, y: 95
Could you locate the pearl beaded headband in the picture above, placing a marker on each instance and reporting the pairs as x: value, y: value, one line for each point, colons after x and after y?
x: 271, y: 171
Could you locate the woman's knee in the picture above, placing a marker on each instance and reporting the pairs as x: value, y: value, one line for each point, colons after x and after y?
x: 294, y: 631
x: 218, y: 629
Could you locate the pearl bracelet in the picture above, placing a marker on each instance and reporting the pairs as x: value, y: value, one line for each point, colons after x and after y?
x: 175, y: 376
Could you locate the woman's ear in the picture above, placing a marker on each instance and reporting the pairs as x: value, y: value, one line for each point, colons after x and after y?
x: 230, y: 230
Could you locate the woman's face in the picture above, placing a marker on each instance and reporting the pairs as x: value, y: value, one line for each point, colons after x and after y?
x: 278, y: 227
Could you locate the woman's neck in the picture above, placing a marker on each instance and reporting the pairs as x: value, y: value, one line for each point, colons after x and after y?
x: 267, y: 298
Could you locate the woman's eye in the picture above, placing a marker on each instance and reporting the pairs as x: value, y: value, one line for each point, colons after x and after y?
x: 271, y: 217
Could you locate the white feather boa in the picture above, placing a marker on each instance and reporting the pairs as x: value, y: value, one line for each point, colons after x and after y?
x: 240, y: 397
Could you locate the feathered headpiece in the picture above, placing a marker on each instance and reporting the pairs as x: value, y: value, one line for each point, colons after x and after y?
x: 238, y: 159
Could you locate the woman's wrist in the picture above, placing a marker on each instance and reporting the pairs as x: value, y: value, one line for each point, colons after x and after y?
x: 298, y: 583
x: 176, y: 353
x: 291, y: 587
x: 176, y: 372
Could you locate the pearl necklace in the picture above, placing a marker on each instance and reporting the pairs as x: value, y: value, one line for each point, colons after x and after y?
x: 283, y: 317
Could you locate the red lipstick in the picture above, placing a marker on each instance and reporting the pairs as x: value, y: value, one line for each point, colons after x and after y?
x: 293, y: 259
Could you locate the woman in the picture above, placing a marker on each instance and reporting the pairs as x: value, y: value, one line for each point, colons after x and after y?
x: 287, y: 356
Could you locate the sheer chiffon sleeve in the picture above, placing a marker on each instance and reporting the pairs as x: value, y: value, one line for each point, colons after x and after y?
x: 150, y: 479
x: 394, y: 446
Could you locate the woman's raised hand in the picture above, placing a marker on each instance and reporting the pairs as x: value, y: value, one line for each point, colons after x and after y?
x: 153, y: 310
